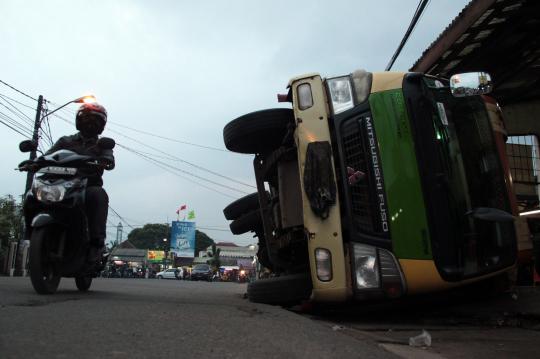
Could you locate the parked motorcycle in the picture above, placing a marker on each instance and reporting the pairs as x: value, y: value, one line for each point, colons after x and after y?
x: 54, y: 209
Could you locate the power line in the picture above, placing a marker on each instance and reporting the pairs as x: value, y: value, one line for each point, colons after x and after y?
x: 5, y: 124
x: 159, y: 136
x: 121, y: 218
x: 19, y: 91
x: 417, y: 14
x: 45, y: 121
x: 20, y: 103
x: 172, y: 169
x: 184, y: 161
x: 16, y: 124
x: 171, y: 139
x: 19, y: 113
x: 177, y: 159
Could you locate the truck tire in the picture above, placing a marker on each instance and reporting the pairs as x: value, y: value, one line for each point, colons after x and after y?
x: 250, y: 221
x: 257, y: 132
x: 284, y: 290
x: 242, y: 205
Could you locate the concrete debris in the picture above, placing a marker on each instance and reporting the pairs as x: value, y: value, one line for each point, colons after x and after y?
x: 336, y: 328
x: 422, y: 340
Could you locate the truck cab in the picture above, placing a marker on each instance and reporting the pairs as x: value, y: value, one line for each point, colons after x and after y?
x: 375, y: 185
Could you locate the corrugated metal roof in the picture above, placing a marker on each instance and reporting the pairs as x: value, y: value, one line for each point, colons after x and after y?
x: 496, y: 36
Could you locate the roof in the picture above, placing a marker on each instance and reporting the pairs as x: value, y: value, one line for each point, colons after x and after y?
x: 226, y: 244
x: 128, y: 254
x: 126, y: 244
x: 496, y: 36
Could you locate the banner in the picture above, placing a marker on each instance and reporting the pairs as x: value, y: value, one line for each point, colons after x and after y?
x: 183, y: 239
x: 155, y: 256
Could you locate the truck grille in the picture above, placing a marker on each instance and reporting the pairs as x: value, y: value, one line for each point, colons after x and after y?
x: 356, y: 156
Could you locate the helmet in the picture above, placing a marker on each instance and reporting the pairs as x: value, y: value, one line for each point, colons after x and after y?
x: 91, y: 119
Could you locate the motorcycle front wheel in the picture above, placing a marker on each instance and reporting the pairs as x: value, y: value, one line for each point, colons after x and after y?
x: 44, y: 273
x: 83, y: 283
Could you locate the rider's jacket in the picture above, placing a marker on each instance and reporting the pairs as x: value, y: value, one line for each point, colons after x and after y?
x: 84, y: 146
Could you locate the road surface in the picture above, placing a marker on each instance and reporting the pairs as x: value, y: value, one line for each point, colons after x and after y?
x: 150, y: 318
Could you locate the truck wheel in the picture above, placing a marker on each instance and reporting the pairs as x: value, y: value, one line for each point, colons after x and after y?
x: 44, y: 273
x: 257, y: 132
x: 284, y: 290
x: 250, y: 221
x: 242, y: 205
x: 83, y: 283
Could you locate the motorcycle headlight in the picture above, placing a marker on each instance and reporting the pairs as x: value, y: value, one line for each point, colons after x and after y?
x: 366, y: 266
x: 49, y: 193
x: 341, y: 94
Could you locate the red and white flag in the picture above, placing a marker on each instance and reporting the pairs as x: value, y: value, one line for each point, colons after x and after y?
x: 181, y: 208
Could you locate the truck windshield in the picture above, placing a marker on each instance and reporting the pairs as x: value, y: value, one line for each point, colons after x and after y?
x: 462, y: 174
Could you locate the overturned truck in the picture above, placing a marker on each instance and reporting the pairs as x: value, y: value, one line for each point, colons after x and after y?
x: 375, y: 185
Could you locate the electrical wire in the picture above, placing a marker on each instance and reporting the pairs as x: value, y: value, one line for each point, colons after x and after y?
x: 14, y: 129
x: 16, y: 124
x: 171, y: 139
x: 183, y: 161
x: 19, y: 91
x: 161, y: 136
x: 18, y: 112
x: 121, y: 218
x: 417, y: 14
x: 173, y: 170
x: 18, y: 102
x: 176, y: 159
x: 45, y: 121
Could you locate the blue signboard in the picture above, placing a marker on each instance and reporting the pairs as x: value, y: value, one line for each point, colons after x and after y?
x: 183, y: 238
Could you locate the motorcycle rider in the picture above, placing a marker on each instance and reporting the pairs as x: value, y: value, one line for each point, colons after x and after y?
x: 90, y: 121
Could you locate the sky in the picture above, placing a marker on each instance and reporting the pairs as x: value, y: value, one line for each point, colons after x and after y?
x: 183, y: 70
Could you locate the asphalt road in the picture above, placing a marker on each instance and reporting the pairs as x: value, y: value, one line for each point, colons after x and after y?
x: 149, y: 318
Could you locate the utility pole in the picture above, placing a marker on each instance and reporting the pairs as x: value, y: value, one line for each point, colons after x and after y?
x: 35, y: 138
x: 20, y: 267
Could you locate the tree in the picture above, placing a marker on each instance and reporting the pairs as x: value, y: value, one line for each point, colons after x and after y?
x: 150, y: 236
x: 202, y: 241
x: 10, y: 222
x: 214, y: 255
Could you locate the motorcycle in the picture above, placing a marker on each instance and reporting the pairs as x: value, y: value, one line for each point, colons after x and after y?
x: 55, y: 213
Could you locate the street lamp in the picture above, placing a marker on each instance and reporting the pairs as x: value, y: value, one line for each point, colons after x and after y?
x: 165, y: 252
x: 82, y: 99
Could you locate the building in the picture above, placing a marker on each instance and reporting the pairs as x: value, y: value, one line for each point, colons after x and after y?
x: 230, y: 254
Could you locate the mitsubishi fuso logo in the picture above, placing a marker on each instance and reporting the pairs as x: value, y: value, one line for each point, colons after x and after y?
x: 377, y: 173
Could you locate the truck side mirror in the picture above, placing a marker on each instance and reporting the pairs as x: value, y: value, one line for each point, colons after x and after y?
x: 470, y: 84
x: 28, y: 146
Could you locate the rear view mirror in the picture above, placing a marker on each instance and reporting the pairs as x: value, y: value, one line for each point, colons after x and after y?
x: 470, y: 84
x: 106, y: 143
x: 28, y: 146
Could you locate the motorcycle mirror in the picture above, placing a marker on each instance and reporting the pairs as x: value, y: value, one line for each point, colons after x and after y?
x: 106, y: 143
x: 28, y: 146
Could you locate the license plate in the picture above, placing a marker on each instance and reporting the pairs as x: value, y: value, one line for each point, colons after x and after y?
x: 58, y: 170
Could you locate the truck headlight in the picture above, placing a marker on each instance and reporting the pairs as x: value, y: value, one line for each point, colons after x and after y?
x: 323, y: 261
x: 341, y: 94
x: 366, y: 266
